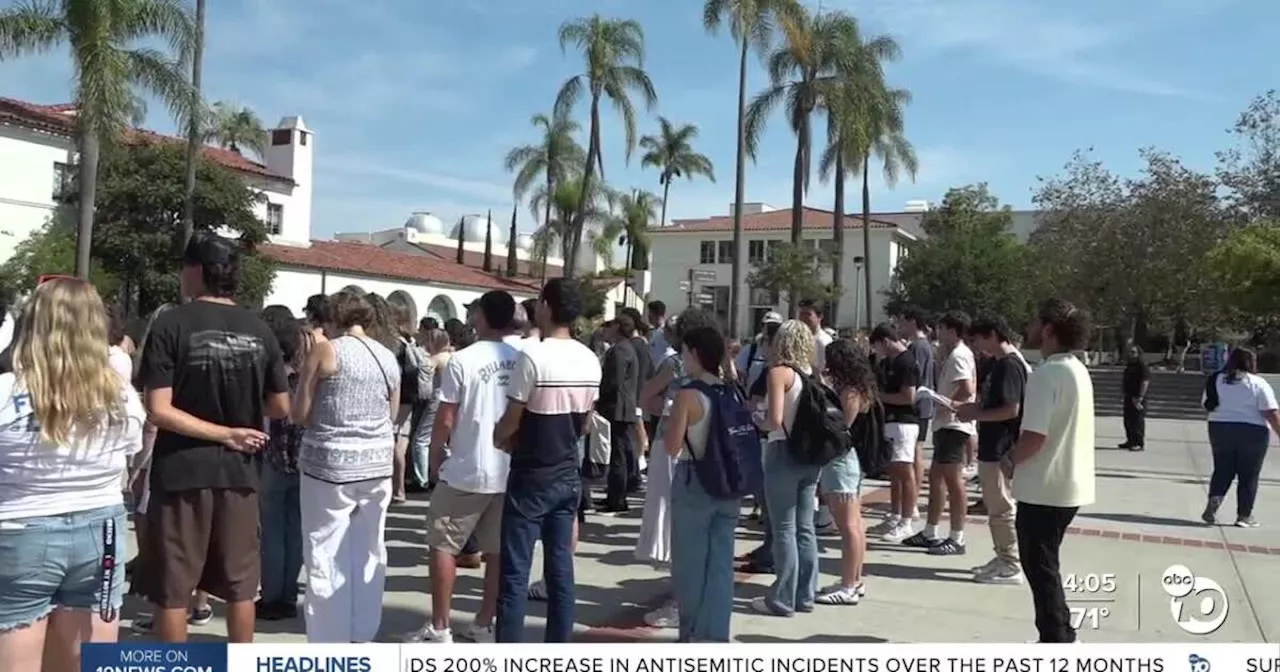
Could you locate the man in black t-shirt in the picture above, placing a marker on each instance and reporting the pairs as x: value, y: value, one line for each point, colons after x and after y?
x: 212, y: 371
x: 998, y: 411
x: 1135, y: 381
x: 898, y: 379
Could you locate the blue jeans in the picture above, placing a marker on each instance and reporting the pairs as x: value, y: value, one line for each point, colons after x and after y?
x: 701, y: 557
x: 281, y: 550
x: 762, y: 556
x: 791, y: 489
x: 536, y: 510
x: 424, y: 419
x: 56, y: 561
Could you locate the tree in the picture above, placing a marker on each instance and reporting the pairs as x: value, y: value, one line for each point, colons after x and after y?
x: 140, y: 211
x: 671, y: 152
x: 108, y: 70
x: 513, y: 261
x: 751, y: 24
x: 858, y: 99
x: 488, y: 243
x: 1246, y: 265
x: 52, y: 250
x: 564, y: 202
x: 556, y: 157
x: 461, y: 257
x: 969, y: 260
x: 815, y: 49
x: 634, y: 214
x: 795, y: 272
x: 1251, y: 170
x: 194, y: 125
x: 235, y: 128
x: 614, y: 53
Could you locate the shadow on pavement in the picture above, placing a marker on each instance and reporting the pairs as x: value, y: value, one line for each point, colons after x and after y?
x: 896, y: 571
x: 1142, y: 519
x: 816, y: 639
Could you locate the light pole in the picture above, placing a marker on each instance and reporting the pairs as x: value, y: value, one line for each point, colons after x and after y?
x: 857, y: 292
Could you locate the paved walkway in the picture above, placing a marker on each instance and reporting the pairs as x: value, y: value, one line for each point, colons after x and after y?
x: 1145, y: 520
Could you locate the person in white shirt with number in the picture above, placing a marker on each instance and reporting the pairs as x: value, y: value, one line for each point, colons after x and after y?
x: 68, y: 425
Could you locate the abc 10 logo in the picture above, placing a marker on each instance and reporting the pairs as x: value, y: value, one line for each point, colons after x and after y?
x: 1197, y: 603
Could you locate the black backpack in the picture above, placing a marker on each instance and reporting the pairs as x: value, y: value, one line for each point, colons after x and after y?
x: 867, y: 433
x: 818, y: 434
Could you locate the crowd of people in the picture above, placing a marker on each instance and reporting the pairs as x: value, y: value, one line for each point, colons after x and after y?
x: 220, y: 421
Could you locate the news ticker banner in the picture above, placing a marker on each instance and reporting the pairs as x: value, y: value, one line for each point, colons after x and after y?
x: 664, y: 657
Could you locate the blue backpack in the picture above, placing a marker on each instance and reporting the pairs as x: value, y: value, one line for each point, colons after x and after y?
x: 729, y: 437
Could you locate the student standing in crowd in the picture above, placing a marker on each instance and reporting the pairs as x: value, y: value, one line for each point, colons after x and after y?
x: 436, y: 344
x: 1052, y: 463
x: 347, y: 396
x: 68, y: 425
x: 751, y: 364
x: 998, y: 412
x: 913, y: 330
x: 554, y: 387
x: 318, y: 317
x: 811, y: 315
x: 473, y: 477
x: 1134, y: 382
x: 416, y: 374
x: 898, y: 379
x: 619, y: 391
x: 1241, y: 405
x: 212, y: 371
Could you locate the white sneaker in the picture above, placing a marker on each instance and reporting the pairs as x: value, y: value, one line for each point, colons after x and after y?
x: 898, y: 532
x: 1002, y: 574
x: 480, y: 634
x: 666, y: 617
x: 989, y: 566
x: 839, y: 594
x: 429, y: 635
x: 883, y: 526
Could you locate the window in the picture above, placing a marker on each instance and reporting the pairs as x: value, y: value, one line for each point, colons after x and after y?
x: 62, y: 182
x: 755, y: 251
x: 275, y: 218
x: 726, y: 251
x: 761, y: 296
x: 771, y: 248
x: 707, y: 252
x: 302, y: 138
x: 827, y: 247
x: 281, y: 137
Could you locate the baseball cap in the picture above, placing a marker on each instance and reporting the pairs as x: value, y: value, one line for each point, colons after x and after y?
x: 771, y: 317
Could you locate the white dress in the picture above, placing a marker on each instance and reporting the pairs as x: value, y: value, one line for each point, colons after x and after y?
x: 654, y: 542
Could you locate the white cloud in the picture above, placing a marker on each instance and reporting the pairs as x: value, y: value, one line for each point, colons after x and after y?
x: 483, y: 190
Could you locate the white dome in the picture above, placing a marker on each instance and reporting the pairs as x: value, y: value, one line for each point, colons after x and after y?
x: 424, y: 222
x: 524, y: 241
x: 473, y: 230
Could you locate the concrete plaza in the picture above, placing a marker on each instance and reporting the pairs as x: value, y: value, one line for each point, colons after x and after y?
x: 1145, y: 520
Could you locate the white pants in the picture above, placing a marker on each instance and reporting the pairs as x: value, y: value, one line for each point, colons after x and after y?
x: 344, y: 543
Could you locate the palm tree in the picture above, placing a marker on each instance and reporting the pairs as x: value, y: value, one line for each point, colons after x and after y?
x: 107, y: 70
x: 859, y: 88
x: 671, y: 151
x: 564, y: 202
x: 633, y: 214
x: 236, y: 128
x: 614, y: 53
x: 751, y: 24
x: 887, y: 142
x: 193, y: 131
x: 556, y: 157
x: 802, y: 70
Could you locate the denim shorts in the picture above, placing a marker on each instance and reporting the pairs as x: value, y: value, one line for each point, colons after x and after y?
x: 56, y: 561
x: 842, y: 476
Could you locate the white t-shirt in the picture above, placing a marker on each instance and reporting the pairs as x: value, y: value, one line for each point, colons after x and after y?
x: 1058, y: 404
x: 476, y: 379
x: 121, y: 362
x: 1243, y: 400
x: 514, y: 340
x: 42, y: 479
x: 820, y: 342
x: 958, y: 367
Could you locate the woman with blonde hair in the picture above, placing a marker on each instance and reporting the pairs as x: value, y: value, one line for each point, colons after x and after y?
x: 790, y: 486
x: 68, y: 424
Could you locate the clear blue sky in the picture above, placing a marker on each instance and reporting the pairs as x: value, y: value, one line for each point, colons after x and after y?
x: 415, y: 103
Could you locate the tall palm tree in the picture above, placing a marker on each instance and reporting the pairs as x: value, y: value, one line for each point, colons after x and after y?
x: 850, y: 105
x: 886, y: 142
x: 613, y: 50
x: 568, y: 198
x: 802, y: 71
x: 236, y: 128
x: 751, y: 24
x: 557, y: 156
x: 671, y: 152
x: 107, y: 68
x: 633, y: 214
x: 194, y: 125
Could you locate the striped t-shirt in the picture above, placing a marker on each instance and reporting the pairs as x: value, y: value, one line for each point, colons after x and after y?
x: 558, y: 381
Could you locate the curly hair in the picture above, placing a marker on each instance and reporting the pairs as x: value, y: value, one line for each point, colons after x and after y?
x: 383, y: 329
x: 793, y: 345
x: 849, y: 368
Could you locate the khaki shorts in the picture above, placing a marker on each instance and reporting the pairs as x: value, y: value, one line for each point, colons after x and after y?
x: 455, y: 515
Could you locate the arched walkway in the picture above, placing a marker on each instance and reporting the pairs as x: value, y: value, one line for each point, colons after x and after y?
x: 401, y: 298
x: 442, y: 309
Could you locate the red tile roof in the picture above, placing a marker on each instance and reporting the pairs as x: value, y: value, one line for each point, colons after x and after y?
x: 774, y: 220
x: 366, y: 259
x: 60, y: 120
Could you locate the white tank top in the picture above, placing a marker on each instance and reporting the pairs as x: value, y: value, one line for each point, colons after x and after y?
x: 696, y: 434
x: 790, y: 400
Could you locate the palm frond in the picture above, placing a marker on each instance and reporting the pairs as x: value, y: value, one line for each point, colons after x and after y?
x: 31, y: 27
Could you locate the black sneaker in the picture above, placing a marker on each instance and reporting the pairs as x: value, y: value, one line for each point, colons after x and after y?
x: 947, y: 546
x: 920, y: 540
